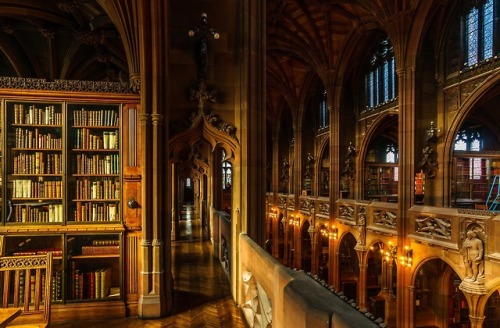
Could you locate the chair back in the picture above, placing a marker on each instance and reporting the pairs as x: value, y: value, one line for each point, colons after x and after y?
x: 26, y: 283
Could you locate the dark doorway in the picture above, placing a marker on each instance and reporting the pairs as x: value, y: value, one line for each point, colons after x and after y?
x: 188, y: 191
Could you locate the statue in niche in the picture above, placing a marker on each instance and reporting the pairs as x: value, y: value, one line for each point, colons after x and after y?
x: 473, y: 252
x: 285, y: 173
x: 361, y: 227
x: 309, y: 167
x: 427, y: 164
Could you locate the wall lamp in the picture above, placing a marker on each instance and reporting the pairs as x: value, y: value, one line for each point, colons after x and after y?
x: 294, y: 220
x: 391, y: 253
x: 273, y: 213
x: 330, y: 232
x: 406, y: 259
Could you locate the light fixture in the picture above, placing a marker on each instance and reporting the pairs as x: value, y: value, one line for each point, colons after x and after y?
x: 330, y: 232
x: 273, y: 213
x: 391, y: 253
x: 406, y: 259
x: 294, y: 220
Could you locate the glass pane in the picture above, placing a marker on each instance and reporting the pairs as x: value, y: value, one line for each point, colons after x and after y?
x: 488, y: 30
x: 460, y: 145
x: 472, y: 36
x: 385, y: 82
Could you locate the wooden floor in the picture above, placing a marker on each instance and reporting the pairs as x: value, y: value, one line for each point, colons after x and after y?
x: 201, y: 297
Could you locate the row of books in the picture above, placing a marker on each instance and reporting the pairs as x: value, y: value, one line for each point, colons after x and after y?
x: 56, y: 252
x: 94, y: 284
x: 26, y: 188
x: 38, y: 163
x: 36, y: 116
x: 106, y: 188
x: 28, y: 138
x: 102, y: 117
x: 94, y: 212
x: 23, y: 284
x: 51, y: 213
x: 101, y: 250
x: 105, y: 242
x: 84, y: 139
x: 97, y: 164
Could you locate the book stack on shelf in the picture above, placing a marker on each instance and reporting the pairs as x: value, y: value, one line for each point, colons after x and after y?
x: 102, y: 247
x: 96, y: 165
x: 90, y: 285
x: 36, y: 188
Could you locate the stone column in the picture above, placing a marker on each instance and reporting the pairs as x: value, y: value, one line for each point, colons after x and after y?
x: 314, y: 249
x: 362, y: 282
x: 154, y: 279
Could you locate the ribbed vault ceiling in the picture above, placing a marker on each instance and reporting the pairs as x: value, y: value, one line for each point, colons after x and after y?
x: 59, y: 39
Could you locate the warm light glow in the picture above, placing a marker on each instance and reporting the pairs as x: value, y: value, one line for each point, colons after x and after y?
x: 330, y: 233
x: 406, y: 259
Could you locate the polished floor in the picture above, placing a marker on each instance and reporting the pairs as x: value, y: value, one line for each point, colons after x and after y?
x: 201, y: 291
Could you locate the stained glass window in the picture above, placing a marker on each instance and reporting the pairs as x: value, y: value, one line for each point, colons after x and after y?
x: 385, y: 71
x: 479, y: 33
x: 323, y: 111
x: 488, y: 29
x: 468, y: 140
x: 391, y: 154
x: 472, y: 36
x: 380, y: 79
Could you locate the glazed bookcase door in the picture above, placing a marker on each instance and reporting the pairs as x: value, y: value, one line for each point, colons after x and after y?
x: 94, y: 184
x: 94, y: 267
x: 27, y: 244
x: 35, y: 166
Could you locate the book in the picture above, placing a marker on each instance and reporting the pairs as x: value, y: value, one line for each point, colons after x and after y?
x: 101, y: 250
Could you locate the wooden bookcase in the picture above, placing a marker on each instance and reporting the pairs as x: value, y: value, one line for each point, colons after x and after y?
x: 473, y: 175
x: 62, y: 186
x: 381, y: 182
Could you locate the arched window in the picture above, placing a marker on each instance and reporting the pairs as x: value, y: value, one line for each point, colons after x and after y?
x: 468, y: 140
x: 323, y: 111
x: 471, y: 140
x: 226, y: 173
x: 380, y: 79
x: 188, y: 183
x: 479, y: 32
x: 391, y: 154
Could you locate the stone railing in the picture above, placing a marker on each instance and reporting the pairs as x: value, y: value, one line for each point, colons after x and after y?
x: 297, y: 300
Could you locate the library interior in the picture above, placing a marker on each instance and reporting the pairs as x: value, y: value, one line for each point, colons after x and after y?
x: 308, y: 163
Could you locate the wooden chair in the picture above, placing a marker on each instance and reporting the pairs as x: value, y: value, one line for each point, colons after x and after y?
x: 26, y: 283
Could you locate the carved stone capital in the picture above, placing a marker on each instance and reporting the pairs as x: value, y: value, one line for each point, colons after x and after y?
x: 135, y: 83
x: 144, y: 118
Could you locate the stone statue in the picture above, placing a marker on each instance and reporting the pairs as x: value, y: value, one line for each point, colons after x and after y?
x: 309, y: 167
x: 473, y: 252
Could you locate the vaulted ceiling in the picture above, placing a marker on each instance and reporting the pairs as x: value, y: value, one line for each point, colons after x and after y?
x: 324, y: 41
x: 60, y: 39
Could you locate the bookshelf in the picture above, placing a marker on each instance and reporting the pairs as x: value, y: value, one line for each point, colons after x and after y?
x: 93, y: 267
x: 381, y: 182
x: 35, y: 163
x: 473, y: 175
x: 94, y: 184
x: 63, y: 168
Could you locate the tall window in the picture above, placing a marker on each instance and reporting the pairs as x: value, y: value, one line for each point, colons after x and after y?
x: 391, y: 154
x: 479, y: 32
x: 323, y: 111
x: 227, y: 173
x: 380, y: 80
x: 471, y: 140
